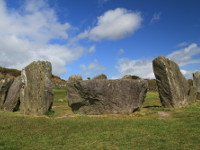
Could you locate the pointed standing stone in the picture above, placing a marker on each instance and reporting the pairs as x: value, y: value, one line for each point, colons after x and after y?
x: 4, y: 87
x: 36, y: 96
x: 12, y: 100
x: 174, y: 90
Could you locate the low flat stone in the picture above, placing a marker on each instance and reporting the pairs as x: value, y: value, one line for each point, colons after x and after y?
x: 94, y: 97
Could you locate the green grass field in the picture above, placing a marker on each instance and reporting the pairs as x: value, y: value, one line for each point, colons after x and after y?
x: 151, y: 128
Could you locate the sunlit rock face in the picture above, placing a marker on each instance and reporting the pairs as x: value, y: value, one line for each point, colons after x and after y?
x: 174, y: 90
x: 94, y: 97
x: 36, y: 96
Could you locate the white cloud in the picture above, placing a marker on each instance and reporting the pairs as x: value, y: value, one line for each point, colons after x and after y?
x: 143, y: 68
x: 92, y: 49
x: 113, y: 25
x: 185, y: 56
x: 187, y: 74
x: 156, y: 17
x: 26, y: 35
x: 93, y: 67
x: 183, y: 44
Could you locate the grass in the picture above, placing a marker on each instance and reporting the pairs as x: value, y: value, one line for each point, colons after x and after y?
x: 152, y: 128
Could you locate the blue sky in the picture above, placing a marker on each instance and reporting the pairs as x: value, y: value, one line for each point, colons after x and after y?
x: 89, y: 37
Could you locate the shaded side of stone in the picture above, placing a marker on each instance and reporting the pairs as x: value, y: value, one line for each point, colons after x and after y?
x: 13, y: 98
x: 4, y: 87
x: 196, y: 82
x: 172, y: 86
x: 36, y: 96
x: 95, y: 97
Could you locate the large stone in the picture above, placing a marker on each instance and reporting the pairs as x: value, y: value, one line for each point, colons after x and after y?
x: 95, y: 97
x: 133, y: 77
x: 100, y: 77
x: 196, y: 82
x: 36, y: 96
x: 174, y: 90
x: 75, y: 77
x: 13, y: 98
x: 4, y: 87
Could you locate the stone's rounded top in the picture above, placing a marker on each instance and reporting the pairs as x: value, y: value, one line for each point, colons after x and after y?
x: 196, y: 73
x: 132, y: 77
x: 100, y: 77
x: 40, y: 63
x: 44, y: 66
x: 75, y: 78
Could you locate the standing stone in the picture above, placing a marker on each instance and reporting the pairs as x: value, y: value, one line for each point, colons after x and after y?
x: 196, y: 82
x: 36, y: 96
x: 133, y: 77
x: 13, y: 98
x: 75, y: 77
x: 4, y: 87
x: 174, y: 90
x: 100, y: 77
x: 95, y: 97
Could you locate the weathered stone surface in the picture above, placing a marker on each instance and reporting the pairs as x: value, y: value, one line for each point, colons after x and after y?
x: 130, y: 77
x: 36, y: 96
x: 75, y: 78
x: 196, y: 82
x: 173, y: 88
x: 95, y: 97
x: 100, y: 77
x: 12, y: 100
x: 4, y: 87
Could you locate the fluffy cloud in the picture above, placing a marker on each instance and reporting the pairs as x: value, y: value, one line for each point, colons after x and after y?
x: 143, y: 68
x: 27, y: 35
x: 185, y: 56
x: 92, y: 68
x: 113, y: 25
x: 187, y: 74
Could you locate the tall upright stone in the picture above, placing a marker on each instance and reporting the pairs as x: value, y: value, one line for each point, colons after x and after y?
x: 94, y: 97
x: 13, y: 98
x: 4, y: 87
x: 196, y: 82
x: 36, y: 96
x: 174, y: 90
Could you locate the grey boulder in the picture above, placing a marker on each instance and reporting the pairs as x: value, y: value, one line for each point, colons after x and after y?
x: 4, y: 87
x: 196, y: 82
x: 94, y: 97
x: 13, y: 98
x: 174, y: 90
x: 36, y: 96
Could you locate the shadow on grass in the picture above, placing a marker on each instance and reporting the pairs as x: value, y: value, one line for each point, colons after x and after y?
x: 154, y: 106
